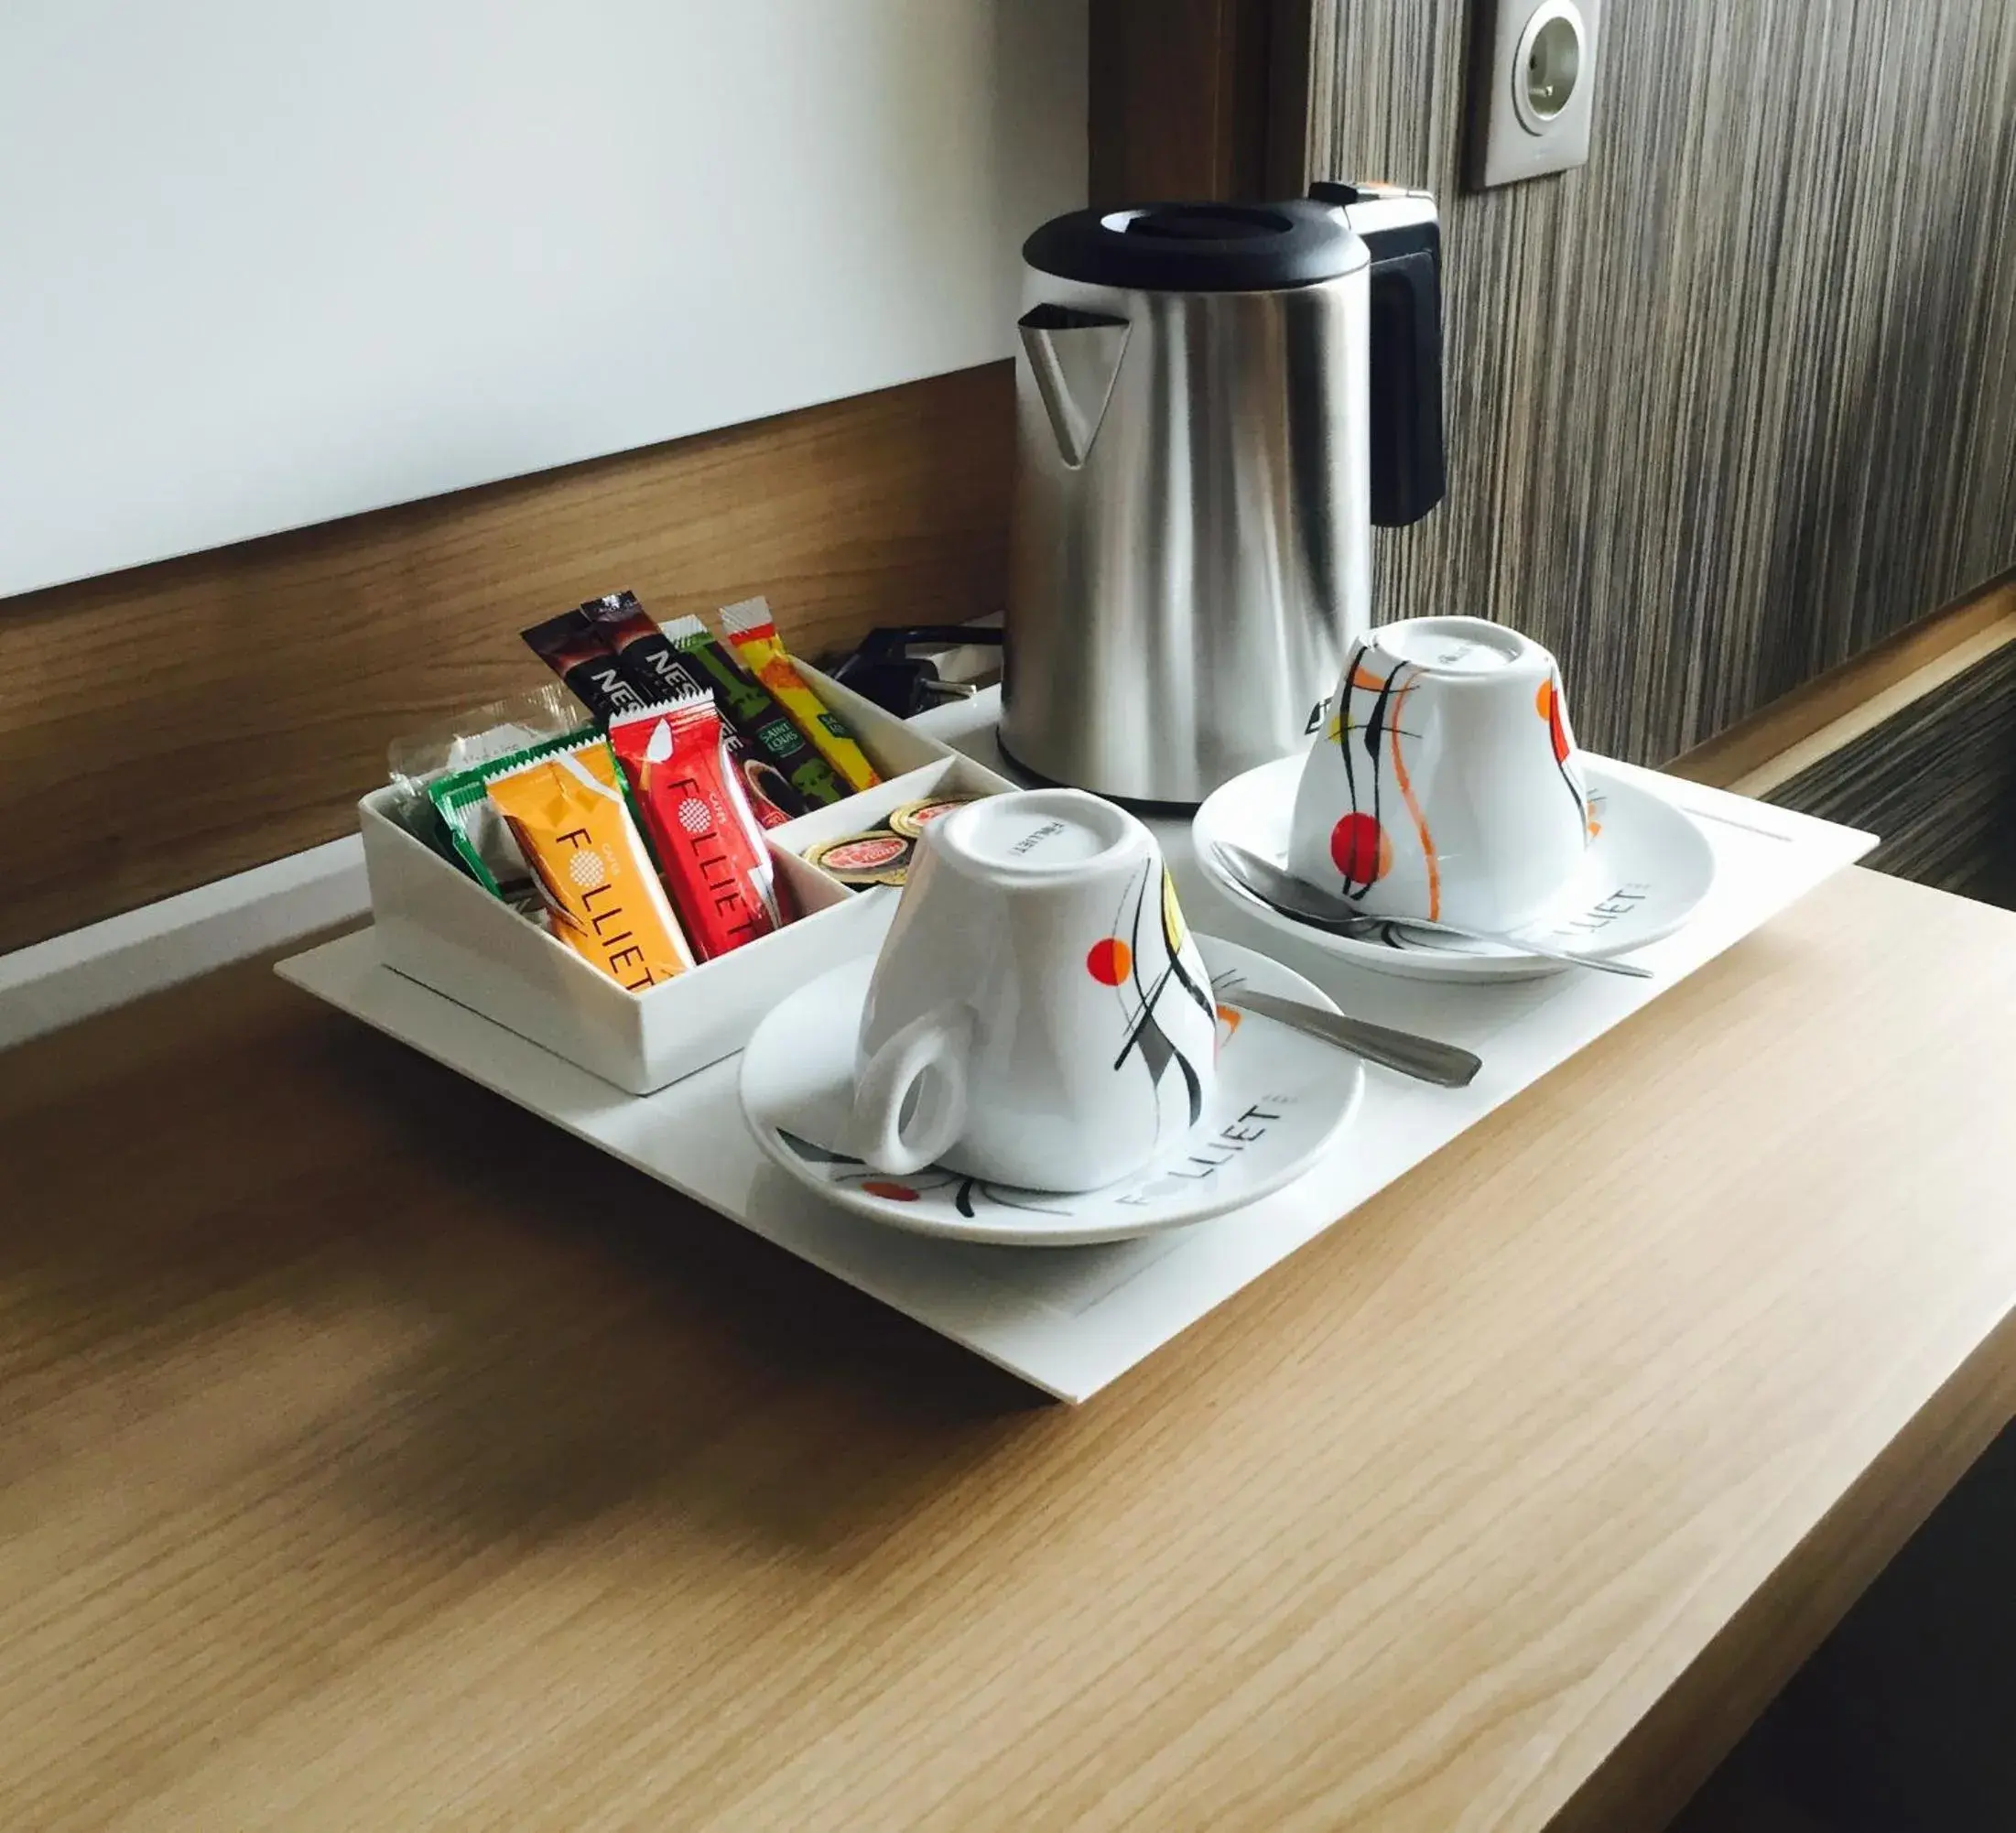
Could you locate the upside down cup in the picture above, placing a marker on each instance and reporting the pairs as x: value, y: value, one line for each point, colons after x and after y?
x: 1444, y: 784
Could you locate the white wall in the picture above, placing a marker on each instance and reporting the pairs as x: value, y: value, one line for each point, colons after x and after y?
x: 266, y: 262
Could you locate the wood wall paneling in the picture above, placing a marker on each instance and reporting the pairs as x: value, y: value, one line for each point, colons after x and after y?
x: 1937, y: 781
x: 1737, y: 398
x: 183, y: 721
x: 1196, y: 98
x: 1761, y: 751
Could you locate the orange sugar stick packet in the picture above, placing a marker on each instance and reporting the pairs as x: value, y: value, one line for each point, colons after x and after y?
x: 601, y: 891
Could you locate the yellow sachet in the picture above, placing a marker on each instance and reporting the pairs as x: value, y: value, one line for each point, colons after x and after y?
x: 750, y: 627
x: 602, y: 893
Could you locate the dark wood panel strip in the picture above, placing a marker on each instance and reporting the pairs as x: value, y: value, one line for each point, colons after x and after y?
x: 1937, y: 782
x: 1196, y: 98
x: 183, y: 721
x: 1752, y: 742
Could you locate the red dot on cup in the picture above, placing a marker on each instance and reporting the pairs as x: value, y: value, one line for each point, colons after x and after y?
x: 1108, y: 962
x: 1360, y: 849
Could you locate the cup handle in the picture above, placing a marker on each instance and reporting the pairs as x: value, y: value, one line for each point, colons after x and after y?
x: 926, y: 1060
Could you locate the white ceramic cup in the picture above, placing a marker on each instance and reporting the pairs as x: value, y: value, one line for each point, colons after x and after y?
x: 1444, y: 784
x: 1039, y: 1014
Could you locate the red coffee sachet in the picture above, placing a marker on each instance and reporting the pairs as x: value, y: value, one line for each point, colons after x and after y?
x: 709, y: 846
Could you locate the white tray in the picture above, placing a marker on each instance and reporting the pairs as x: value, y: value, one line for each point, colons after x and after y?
x: 1070, y: 1319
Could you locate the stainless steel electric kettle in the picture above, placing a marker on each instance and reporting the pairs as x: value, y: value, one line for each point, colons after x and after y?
x: 1214, y: 404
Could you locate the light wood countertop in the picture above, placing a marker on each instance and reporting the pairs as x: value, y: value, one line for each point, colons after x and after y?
x: 373, y: 1457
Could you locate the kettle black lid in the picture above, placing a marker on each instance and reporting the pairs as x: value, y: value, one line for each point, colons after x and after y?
x: 1198, y: 247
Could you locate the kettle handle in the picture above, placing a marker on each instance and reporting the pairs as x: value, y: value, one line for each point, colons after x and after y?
x: 1409, y: 472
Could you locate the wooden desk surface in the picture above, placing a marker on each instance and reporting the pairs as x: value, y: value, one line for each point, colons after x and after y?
x: 375, y: 1457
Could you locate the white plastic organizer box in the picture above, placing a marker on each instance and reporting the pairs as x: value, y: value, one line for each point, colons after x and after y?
x: 436, y: 924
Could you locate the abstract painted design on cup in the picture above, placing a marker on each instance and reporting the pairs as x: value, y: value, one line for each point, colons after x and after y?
x: 1444, y: 785
x: 1365, y: 727
x: 1551, y: 704
x: 1144, y: 973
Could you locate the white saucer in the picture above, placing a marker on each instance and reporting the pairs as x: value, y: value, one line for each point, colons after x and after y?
x: 1282, y: 1097
x: 1646, y: 870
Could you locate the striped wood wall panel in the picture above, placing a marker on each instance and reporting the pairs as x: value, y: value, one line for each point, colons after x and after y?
x: 1738, y: 397
x: 1937, y: 781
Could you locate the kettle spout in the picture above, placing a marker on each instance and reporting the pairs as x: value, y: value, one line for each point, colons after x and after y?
x: 1075, y: 359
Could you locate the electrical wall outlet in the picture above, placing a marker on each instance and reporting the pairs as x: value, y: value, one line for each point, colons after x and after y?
x: 1533, y: 88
